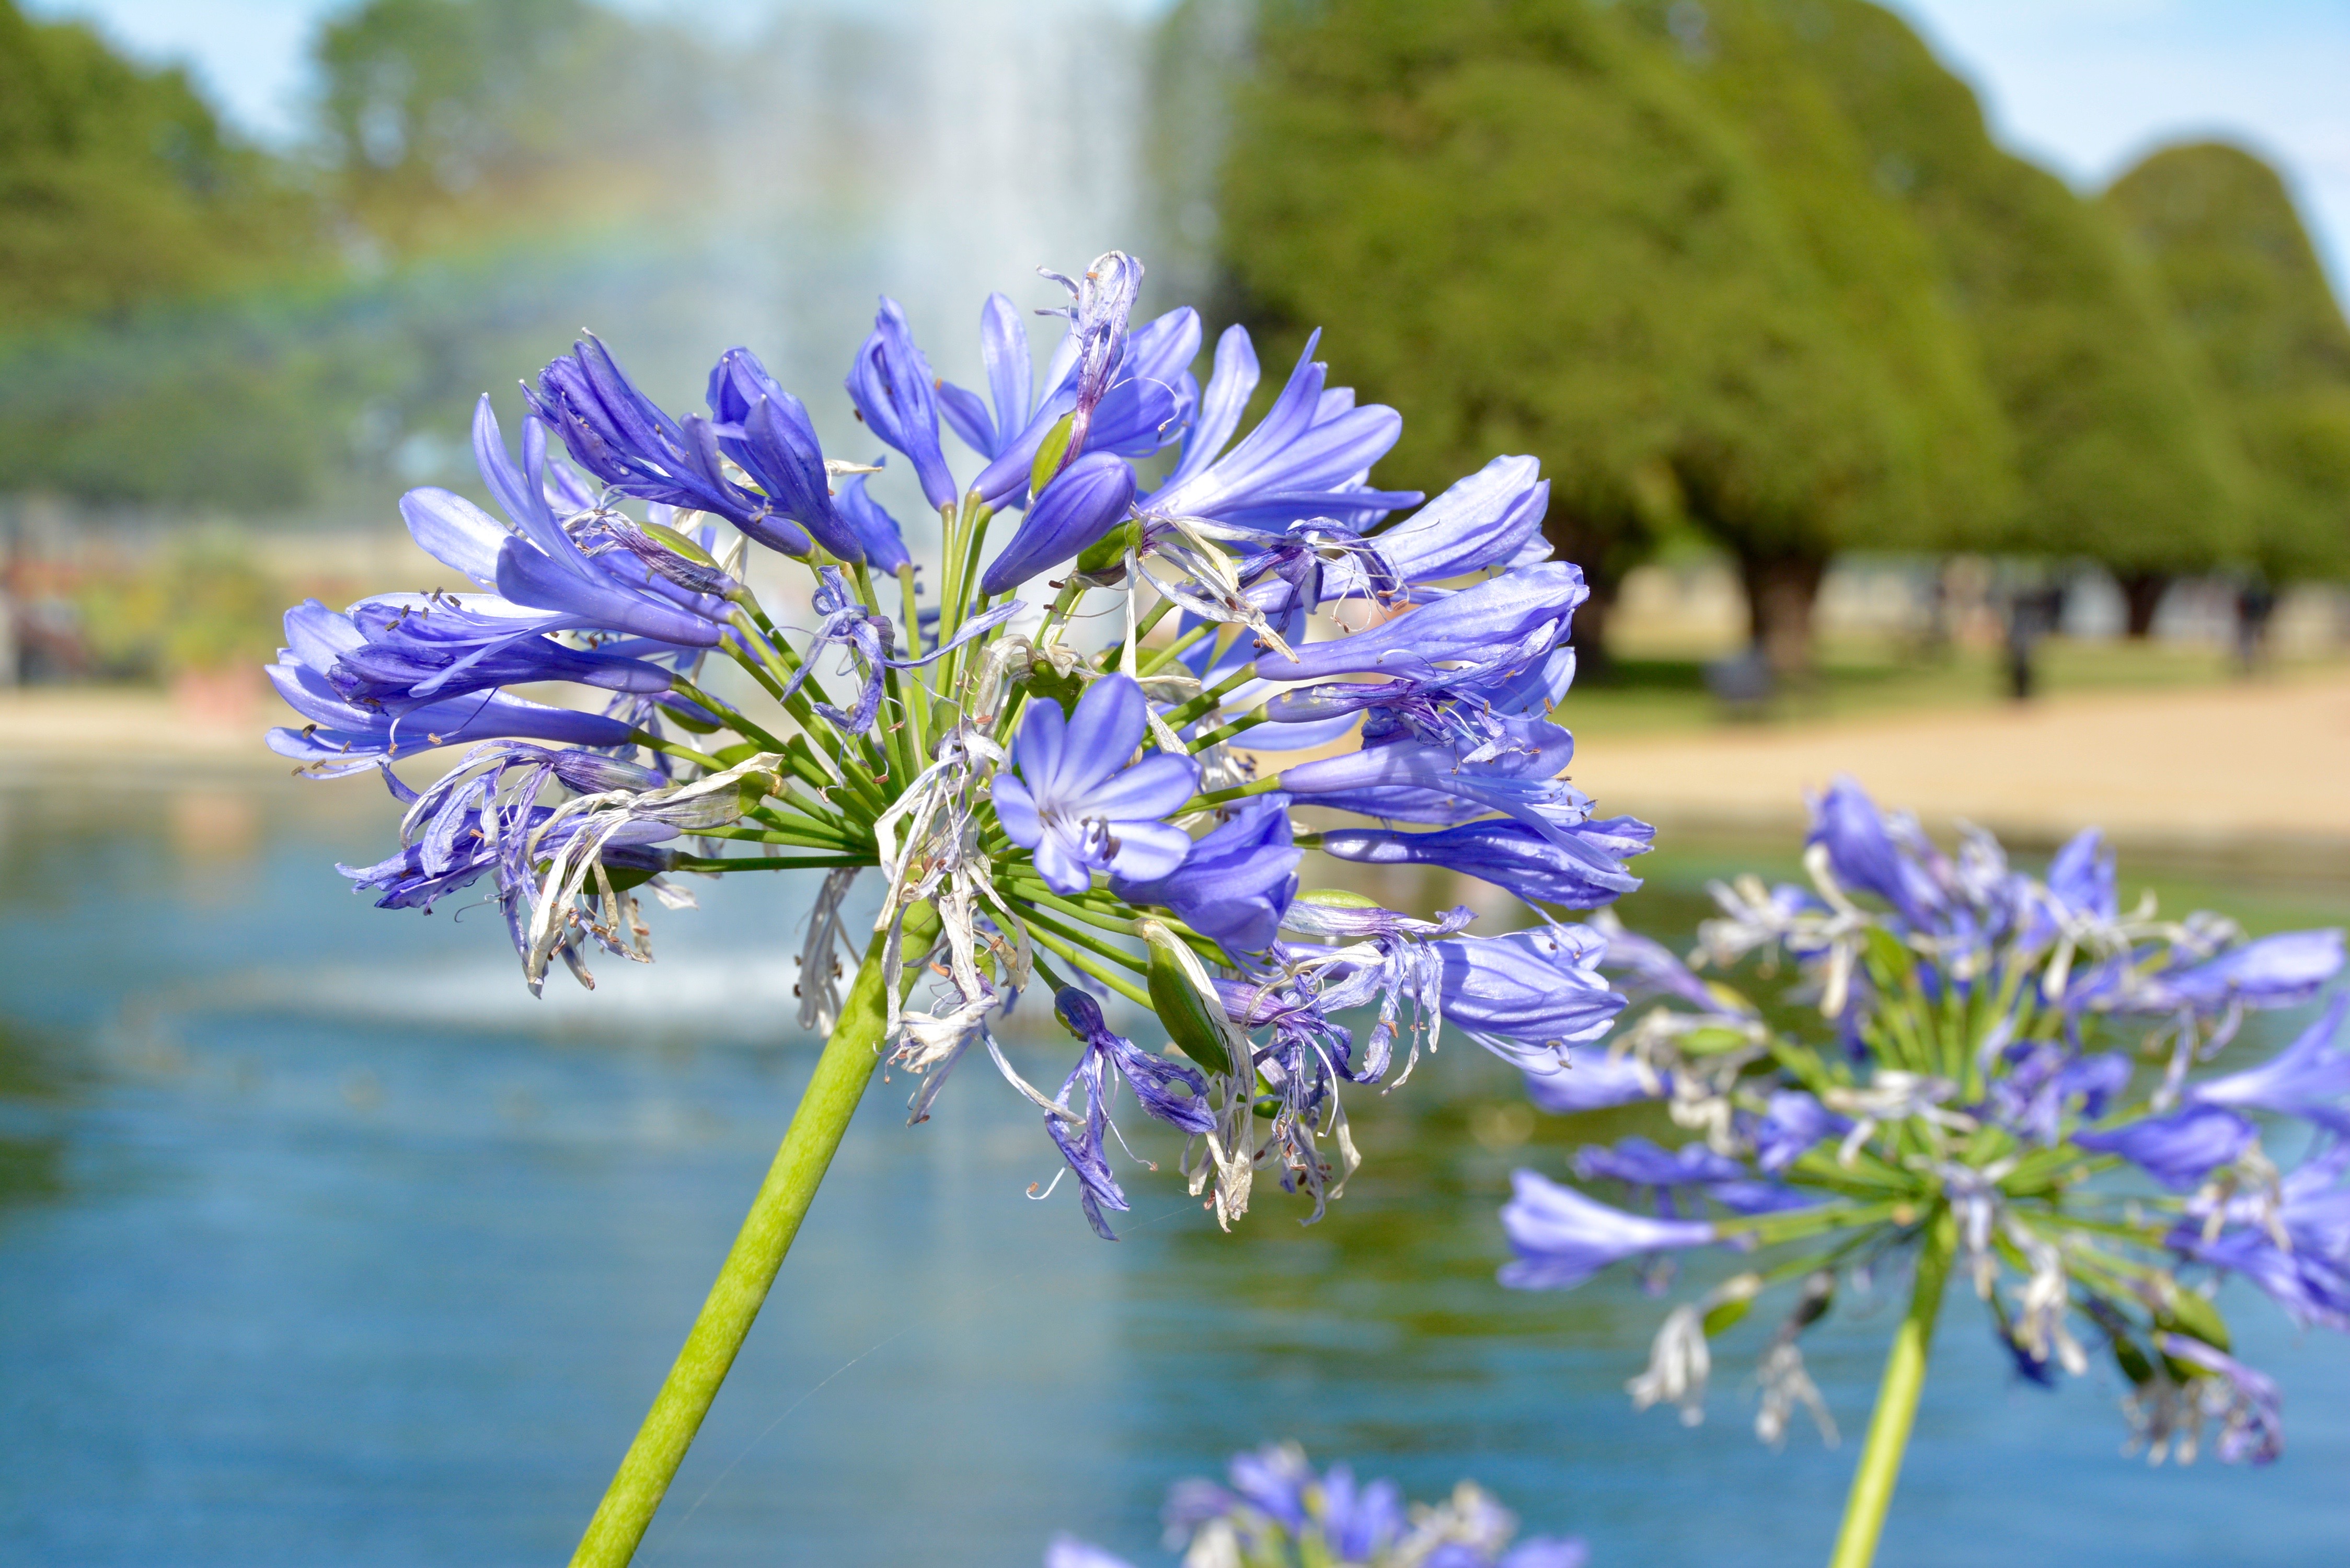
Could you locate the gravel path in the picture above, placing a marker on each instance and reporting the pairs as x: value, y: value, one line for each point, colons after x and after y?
x: 2258, y: 770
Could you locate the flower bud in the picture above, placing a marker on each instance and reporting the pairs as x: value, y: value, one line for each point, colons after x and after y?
x: 1186, y: 1001
x: 1088, y: 499
x: 1049, y: 454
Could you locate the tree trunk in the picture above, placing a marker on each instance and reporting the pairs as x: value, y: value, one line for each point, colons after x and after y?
x: 1599, y: 550
x: 2142, y: 593
x: 1780, y: 593
x: 1590, y: 638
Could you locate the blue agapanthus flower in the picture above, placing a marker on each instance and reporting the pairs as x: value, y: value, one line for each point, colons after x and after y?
x: 2009, y: 1082
x: 1277, y: 1511
x: 1110, y: 817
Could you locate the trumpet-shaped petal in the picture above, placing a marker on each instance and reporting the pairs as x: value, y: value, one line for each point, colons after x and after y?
x: 1863, y: 854
x: 1305, y: 457
x: 1562, y: 1238
x: 2178, y: 1150
x: 1496, y: 619
x: 1582, y: 869
x: 879, y: 536
x: 2281, y: 970
x: 1236, y: 883
x: 1529, y: 995
x: 343, y: 737
x: 894, y: 391
x: 1792, y: 1123
x: 1085, y: 500
x: 1397, y: 777
x: 2310, y: 1077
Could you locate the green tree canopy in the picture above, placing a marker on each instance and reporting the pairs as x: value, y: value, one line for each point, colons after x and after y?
x: 439, y: 116
x: 1523, y: 226
x: 118, y: 184
x: 1954, y: 484
x: 2120, y: 454
x: 2246, y: 288
x: 486, y: 146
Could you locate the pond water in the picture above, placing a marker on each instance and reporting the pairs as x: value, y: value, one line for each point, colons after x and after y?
x: 321, y: 1244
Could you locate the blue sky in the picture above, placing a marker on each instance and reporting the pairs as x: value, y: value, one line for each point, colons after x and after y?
x: 2083, y: 86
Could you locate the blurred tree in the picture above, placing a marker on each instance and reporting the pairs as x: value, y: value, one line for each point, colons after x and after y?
x: 2121, y: 456
x: 478, y: 143
x: 1524, y: 227
x: 441, y: 116
x: 118, y: 184
x: 2245, y: 286
x: 1951, y: 482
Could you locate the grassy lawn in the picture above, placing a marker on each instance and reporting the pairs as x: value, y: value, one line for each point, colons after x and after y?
x: 1653, y: 695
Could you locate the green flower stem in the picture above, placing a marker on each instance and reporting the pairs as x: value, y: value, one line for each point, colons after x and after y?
x: 1897, y: 1397
x: 1220, y: 796
x: 1069, y: 931
x: 1205, y: 702
x: 792, y: 812
x: 1101, y: 973
x: 1159, y: 659
x: 916, y: 714
x: 1158, y: 612
x: 953, y: 519
x: 896, y: 749
x: 1239, y: 726
x: 653, y: 742
x: 773, y: 670
x: 1146, y: 658
x: 1774, y: 1230
x: 1034, y: 891
x: 718, y: 863
x: 725, y: 715
x: 841, y: 1074
x: 837, y: 846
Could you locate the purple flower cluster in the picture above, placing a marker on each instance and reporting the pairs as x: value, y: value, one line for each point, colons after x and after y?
x: 1275, y: 1510
x: 1109, y: 821
x: 1967, y: 1080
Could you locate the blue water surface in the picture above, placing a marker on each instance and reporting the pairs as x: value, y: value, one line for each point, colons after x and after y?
x: 321, y: 1244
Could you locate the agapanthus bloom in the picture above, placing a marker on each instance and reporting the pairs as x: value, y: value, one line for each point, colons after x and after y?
x: 1966, y: 1106
x: 1275, y: 1510
x: 1097, y: 818
x: 1094, y: 818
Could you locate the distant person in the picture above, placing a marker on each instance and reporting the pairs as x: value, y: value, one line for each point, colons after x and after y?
x: 2031, y: 614
x: 1935, y: 640
x: 2255, y: 607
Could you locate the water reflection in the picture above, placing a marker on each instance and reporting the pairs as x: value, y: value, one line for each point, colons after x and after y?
x: 320, y: 1242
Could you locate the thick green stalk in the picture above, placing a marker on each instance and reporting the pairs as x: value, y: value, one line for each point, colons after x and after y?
x: 1897, y: 1397
x: 841, y: 1074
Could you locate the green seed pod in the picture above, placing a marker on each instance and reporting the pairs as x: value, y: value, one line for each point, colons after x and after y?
x: 2189, y: 1314
x: 1727, y: 1315
x: 1185, y: 1000
x: 1107, y: 556
x: 1049, y: 454
x: 681, y: 544
x: 1734, y: 1297
x: 1336, y: 898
